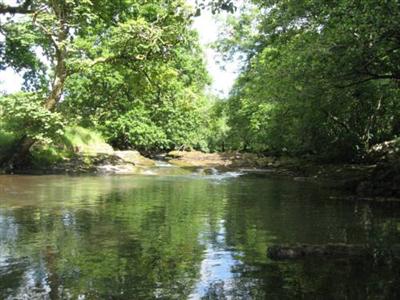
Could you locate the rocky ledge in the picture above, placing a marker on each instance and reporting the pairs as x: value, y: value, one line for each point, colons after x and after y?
x: 378, y: 177
x: 110, y: 162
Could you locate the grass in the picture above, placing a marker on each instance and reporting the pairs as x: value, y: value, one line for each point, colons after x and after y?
x: 46, y: 155
x: 86, y: 141
x: 75, y: 140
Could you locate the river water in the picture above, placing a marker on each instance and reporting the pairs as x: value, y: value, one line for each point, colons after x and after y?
x: 186, y: 237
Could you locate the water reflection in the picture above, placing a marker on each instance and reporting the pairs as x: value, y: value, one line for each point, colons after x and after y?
x: 138, y: 237
x: 216, y: 267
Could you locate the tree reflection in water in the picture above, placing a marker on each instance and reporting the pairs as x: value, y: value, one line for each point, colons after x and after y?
x: 183, y: 237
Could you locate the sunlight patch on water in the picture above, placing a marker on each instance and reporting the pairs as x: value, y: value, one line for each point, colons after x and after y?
x: 216, y: 275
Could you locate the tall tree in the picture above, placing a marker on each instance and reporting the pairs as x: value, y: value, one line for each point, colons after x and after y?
x: 52, y: 41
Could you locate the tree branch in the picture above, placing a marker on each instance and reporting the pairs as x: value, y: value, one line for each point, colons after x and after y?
x: 374, y: 77
x: 104, y: 60
x: 48, y: 33
x: 336, y: 120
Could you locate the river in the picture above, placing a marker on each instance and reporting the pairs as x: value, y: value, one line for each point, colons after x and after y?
x: 185, y: 237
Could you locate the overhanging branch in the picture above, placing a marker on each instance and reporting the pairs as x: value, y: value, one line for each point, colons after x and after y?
x: 375, y: 77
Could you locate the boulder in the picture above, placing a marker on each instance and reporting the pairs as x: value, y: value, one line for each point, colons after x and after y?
x: 135, y: 158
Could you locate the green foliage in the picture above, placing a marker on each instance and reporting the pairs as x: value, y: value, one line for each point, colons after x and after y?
x: 84, y: 140
x: 145, y: 90
x: 317, y: 80
x: 216, y: 6
x: 46, y: 155
x: 23, y: 114
x: 134, y: 128
x: 133, y: 70
x: 7, y: 140
x: 217, y: 128
x: 74, y: 139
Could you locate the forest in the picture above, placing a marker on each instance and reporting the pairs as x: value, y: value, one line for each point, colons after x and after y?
x: 124, y: 173
x: 318, y: 79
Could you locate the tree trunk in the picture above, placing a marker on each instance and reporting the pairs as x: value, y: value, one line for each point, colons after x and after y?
x: 58, y: 82
x: 20, y: 158
x: 19, y: 155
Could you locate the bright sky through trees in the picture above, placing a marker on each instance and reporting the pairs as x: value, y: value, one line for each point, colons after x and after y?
x: 207, y: 26
x: 10, y: 82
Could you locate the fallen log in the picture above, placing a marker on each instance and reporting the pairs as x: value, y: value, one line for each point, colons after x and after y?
x: 280, y: 252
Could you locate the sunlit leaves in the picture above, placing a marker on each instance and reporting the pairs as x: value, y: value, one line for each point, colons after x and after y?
x: 141, y: 81
x: 25, y: 115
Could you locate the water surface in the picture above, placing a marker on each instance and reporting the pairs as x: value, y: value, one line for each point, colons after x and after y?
x: 184, y: 237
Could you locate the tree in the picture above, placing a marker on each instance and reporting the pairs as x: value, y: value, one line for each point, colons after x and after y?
x: 152, y: 103
x: 320, y: 76
x: 49, y: 27
x: 53, y: 42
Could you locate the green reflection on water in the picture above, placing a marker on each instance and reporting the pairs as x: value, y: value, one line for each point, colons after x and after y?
x: 138, y: 237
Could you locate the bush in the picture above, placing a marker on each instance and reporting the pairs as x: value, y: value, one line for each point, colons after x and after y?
x: 7, y: 140
x: 23, y: 114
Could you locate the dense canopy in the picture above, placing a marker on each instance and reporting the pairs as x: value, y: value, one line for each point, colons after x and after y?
x: 319, y: 78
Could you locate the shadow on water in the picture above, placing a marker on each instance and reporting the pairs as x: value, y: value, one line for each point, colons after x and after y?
x: 184, y: 237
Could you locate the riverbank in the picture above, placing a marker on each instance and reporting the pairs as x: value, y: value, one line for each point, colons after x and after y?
x: 371, y: 181
x: 378, y: 179
x: 120, y: 162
